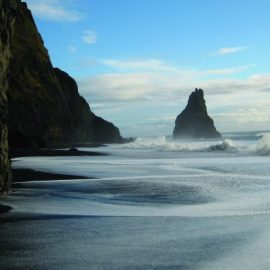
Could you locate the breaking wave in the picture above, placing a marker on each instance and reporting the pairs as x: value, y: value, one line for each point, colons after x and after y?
x: 263, y: 145
x: 164, y: 144
x: 225, y: 145
x: 259, y: 147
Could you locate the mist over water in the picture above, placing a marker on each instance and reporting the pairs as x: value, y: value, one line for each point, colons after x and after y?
x: 157, y: 204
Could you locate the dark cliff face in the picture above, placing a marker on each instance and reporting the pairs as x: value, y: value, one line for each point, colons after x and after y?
x: 194, y: 121
x: 7, y: 15
x: 87, y: 124
x: 44, y: 105
x: 105, y: 131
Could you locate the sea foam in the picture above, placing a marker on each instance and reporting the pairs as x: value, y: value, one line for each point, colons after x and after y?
x: 164, y: 144
x: 261, y: 146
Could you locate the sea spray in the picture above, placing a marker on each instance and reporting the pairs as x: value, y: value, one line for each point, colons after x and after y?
x: 163, y: 144
x: 245, y: 144
x: 225, y: 145
x: 263, y: 145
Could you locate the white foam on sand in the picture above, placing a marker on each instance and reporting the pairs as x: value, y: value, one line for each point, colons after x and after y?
x: 205, y: 204
x: 193, y: 187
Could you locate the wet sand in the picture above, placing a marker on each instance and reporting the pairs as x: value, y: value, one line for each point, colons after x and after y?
x: 139, y: 243
x: 146, y: 210
x: 4, y: 209
x: 25, y: 175
x: 51, y: 153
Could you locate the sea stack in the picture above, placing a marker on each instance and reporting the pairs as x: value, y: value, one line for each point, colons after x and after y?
x: 7, y: 15
x: 194, y: 121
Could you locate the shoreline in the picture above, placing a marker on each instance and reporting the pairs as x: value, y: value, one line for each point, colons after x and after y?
x: 15, y: 153
x: 4, y: 209
x: 28, y: 175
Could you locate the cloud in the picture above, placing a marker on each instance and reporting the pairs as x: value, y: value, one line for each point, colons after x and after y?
x: 160, y: 81
x: 139, y: 65
x: 87, y: 63
x: 228, y: 71
x: 244, y: 119
x: 155, y: 65
x: 55, y: 10
x: 150, y: 93
x: 72, y: 49
x: 117, y: 87
x: 134, y: 87
x: 230, y: 50
x: 89, y: 37
x: 134, y: 64
x: 166, y: 117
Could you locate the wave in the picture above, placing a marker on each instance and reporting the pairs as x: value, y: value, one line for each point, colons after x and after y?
x: 245, y: 136
x: 226, y: 145
x: 163, y: 144
x: 263, y: 145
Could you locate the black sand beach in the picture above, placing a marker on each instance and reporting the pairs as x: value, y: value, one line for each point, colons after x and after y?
x: 27, y: 175
x: 4, y: 209
x: 143, y: 210
x: 23, y: 175
x: 51, y: 153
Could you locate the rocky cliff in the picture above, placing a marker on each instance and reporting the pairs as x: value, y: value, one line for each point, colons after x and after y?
x: 44, y: 104
x: 194, y: 121
x: 7, y: 14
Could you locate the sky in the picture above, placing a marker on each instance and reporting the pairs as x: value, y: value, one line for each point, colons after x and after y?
x: 137, y: 61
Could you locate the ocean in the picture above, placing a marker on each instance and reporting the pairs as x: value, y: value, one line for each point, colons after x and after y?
x: 153, y: 203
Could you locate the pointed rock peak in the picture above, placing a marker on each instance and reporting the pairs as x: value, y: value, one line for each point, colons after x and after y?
x: 196, y: 101
x: 194, y: 121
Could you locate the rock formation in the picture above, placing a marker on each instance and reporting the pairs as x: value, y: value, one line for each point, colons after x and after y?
x: 194, y: 121
x: 44, y: 105
x: 7, y: 14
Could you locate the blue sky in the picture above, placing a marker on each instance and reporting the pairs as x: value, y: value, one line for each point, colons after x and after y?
x: 136, y: 61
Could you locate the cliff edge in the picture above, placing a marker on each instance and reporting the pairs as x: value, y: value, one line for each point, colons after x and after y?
x: 45, y: 107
